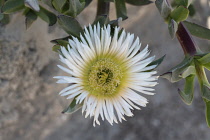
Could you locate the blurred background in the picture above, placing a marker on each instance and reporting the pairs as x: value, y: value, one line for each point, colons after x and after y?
x: 30, y: 107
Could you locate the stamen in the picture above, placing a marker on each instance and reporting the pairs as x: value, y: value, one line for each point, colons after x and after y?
x: 104, y: 78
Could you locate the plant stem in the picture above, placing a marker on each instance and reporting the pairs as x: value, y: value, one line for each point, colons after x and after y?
x: 201, y: 73
x: 188, y: 45
x: 102, y: 8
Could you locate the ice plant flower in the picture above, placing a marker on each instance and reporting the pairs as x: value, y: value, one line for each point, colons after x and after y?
x: 107, y: 73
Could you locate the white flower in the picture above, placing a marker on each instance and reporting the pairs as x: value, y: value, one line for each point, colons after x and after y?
x: 107, y: 73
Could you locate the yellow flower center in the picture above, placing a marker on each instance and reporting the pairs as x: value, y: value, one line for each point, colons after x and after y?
x: 104, y: 77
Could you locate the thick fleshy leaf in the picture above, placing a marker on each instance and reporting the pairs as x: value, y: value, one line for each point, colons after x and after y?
x: 185, y: 3
x: 73, y: 107
x: 30, y: 18
x: 70, y: 25
x: 157, y: 62
x: 205, y: 91
x: 47, y: 16
x: 138, y: 2
x: 187, y: 94
x: 61, y: 41
x: 203, y: 81
x: 175, y: 73
x: 207, y: 112
x: 121, y: 9
x: 179, y: 14
x: 172, y: 27
x: 205, y: 59
x: 75, y: 7
x: 58, y: 4
x: 33, y: 4
x: 56, y: 48
x: 207, y: 66
x: 102, y: 19
x: 163, y: 7
x: 197, y: 30
x: 188, y: 71
x: 192, y: 10
x: 11, y: 6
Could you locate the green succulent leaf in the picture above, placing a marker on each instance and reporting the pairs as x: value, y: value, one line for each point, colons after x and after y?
x: 56, y: 48
x: 33, y: 4
x: 179, y: 14
x: 139, y: 2
x: 203, y: 81
x: 30, y: 18
x: 121, y: 9
x: 205, y: 91
x: 205, y: 59
x: 207, y: 66
x: 207, y: 112
x: 75, y: 7
x: 175, y: 74
x: 11, y: 6
x: 157, y: 62
x: 47, y: 16
x: 59, y: 4
x: 70, y: 25
x: 188, y: 71
x: 185, y: 3
x: 163, y: 7
x: 73, y: 107
x: 197, y: 30
x: 187, y: 94
x: 192, y: 10
x: 102, y: 20
x: 61, y: 41
x: 172, y: 27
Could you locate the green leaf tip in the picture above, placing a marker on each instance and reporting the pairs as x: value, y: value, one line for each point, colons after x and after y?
x: 163, y: 7
x: 59, y: 4
x: 172, y: 27
x: 73, y: 107
x: 187, y: 94
x: 30, y: 18
x: 176, y: 73
x: 205, y: 59
x: 205, y: 91
x: 157, y: 62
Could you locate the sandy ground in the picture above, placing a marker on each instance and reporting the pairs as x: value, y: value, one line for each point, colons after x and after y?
x: 30, y: 107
